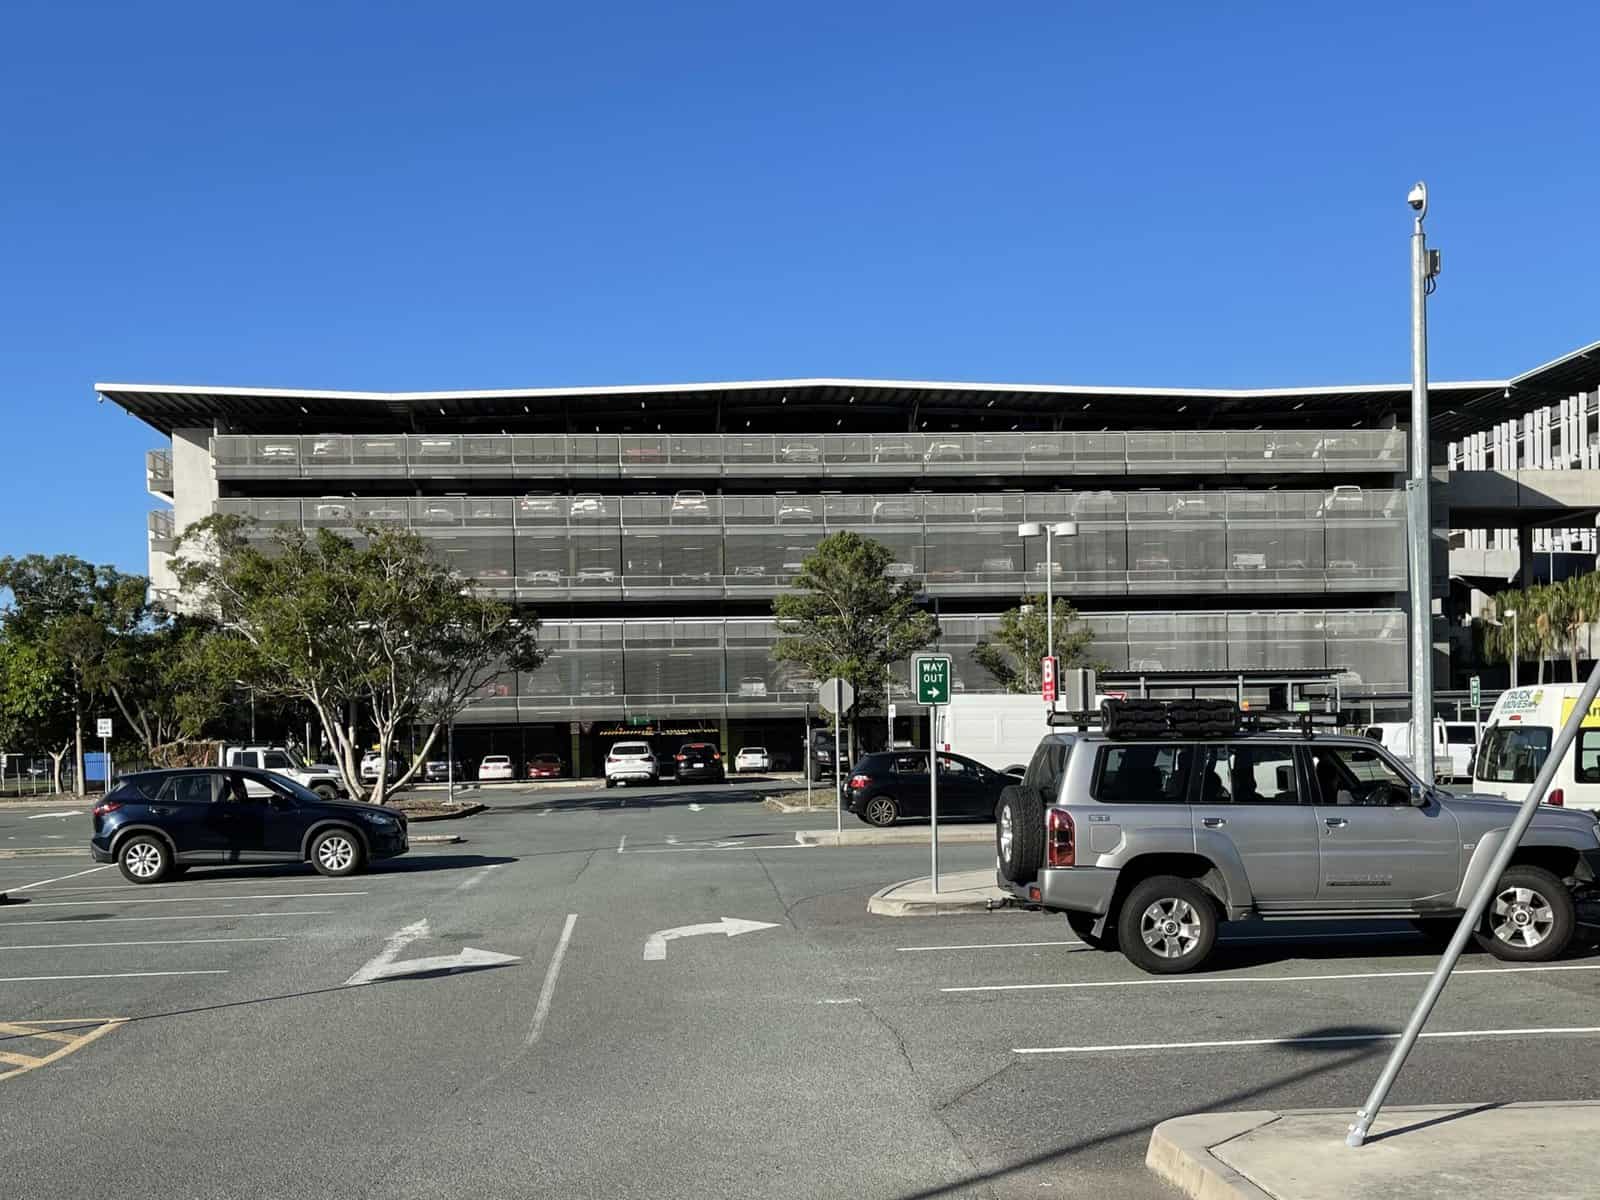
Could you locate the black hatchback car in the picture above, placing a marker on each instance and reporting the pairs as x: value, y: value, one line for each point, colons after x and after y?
x: 157, y: 824
x: 699, y: 762
x: 887, y: 786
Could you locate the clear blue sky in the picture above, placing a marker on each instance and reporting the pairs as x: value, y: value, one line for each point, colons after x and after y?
x: 488, y: 195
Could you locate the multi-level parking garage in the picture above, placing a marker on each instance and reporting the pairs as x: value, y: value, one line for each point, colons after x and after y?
x: 651, y: 527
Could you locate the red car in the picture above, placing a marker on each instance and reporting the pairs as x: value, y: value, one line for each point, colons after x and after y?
x: 546, y: 766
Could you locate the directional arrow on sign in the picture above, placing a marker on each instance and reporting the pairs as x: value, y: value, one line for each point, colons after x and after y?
x: 384, y: 966
x: 655, y: 946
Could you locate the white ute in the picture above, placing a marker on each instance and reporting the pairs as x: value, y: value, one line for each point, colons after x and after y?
x: 319, y: 777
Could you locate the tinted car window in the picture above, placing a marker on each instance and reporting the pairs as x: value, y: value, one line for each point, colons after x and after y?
x: 910, y: 764
x: 1143, y: 774
x: 1460, y: 735
x: 1247, y: 774
x: 1587, y: 768
x: 1045, y: 768
x: 188, y: 789
x: 275, y: 761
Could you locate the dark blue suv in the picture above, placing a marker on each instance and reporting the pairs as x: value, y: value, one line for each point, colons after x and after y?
x: 157, y: 824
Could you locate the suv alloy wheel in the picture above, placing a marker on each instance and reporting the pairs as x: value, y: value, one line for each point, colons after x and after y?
x: 1530, y: 917
x: 1019, y: 833
x: 1167, y: 925
x: 336, y: 852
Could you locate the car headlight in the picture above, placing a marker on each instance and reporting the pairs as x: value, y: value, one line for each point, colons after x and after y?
x: 381, y: 820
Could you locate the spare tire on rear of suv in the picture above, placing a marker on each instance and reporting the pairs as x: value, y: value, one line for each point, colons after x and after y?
x: 1019, y: 832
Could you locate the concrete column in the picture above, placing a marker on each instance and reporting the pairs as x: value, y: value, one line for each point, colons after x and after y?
x: 576, y: 749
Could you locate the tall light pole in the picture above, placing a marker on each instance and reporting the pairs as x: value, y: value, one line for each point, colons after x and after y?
x: 1512, y: 613
x: 1029, y: 529
x: 1424, y: 270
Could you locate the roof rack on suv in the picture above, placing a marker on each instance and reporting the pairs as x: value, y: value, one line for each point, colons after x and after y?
x: 1195, y: 718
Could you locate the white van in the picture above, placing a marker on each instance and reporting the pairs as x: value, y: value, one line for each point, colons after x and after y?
x: 1453, y: 744
x: 1517, y: 740
x: 997, y: 729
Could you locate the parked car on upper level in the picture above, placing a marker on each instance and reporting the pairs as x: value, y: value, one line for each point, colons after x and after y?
x: 157, y: 824
x: 893, y: 784
x: 690, y: 504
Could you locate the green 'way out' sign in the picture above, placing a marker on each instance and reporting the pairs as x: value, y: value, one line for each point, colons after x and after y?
x: 930, y: 673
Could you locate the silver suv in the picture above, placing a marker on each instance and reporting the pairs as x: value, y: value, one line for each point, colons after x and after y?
x: 1149, y: 843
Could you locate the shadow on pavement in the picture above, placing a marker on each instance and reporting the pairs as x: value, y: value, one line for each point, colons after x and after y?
x: 607, y: 800
x: 1442, y: 1119
x: 1062, y: 1153
x: 1396, y: 941
x: 469, y: 969
x: 403, y: 865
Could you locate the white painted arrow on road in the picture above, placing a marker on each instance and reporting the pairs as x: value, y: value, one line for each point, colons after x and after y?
x: 383, y: 964
x: 655, y: 946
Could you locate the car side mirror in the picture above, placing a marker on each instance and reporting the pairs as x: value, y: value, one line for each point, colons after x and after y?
x: 1419, y: 796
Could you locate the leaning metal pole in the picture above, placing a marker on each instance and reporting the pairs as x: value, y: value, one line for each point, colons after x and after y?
x: 1475, y: 909
x: 1418, y: 517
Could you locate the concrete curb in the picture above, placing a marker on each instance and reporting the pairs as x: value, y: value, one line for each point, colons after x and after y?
x: 1180, y: 1154
x: 466, y: 810
x: 437, y: 839
x: 45, y: 852
x: 780, y: 807
x: 915, y: 836
x: 884, y: 905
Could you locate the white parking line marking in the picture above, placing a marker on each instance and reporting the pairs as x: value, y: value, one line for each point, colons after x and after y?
x: 1190, y: 979
x: 983, y: 946
x: 153, y: 942
x: 392, y: 945
x: 59, y: 878
x: 71, y: 812
x: 211, y: 899
x: 695, y: 808
x: 309, y: 912
x: 1320, y: 1039
x: 115, y: 975
x: 548, y: 990
x: 474, y: 880
x: 622, y: 843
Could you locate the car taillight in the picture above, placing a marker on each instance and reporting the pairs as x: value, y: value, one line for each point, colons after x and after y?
x: 1556, y: 797
x: 859, y: 781
x: 1059, y: 850
x: 681, y: 757
x: 715, y: 755
x: 109, y: 806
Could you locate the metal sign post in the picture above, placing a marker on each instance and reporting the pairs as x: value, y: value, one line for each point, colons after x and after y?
x: 838, y: 771
x: 103, y: 728
x: 837, y: 696
x: 1475, y: 908
x: 930, y: 675
x: 805, y: 757
x: 450, y: 761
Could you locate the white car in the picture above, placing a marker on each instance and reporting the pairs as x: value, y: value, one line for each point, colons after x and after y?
x: 587, y: 506
x: 496, y: 766
x: 631, y: 762
x: 752, y: 758
x: 752, y: 685
x: 369, y: 767
x: 690, y: 504
x: 899, y: 570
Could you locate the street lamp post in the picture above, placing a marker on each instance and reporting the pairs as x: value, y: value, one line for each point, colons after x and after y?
x: 1424, y: 270
x: 1051, y: 531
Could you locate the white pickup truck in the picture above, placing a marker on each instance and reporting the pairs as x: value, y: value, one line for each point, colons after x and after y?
x: 319, y: 777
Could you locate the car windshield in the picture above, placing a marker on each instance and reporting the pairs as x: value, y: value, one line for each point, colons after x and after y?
x: 1513, y: 753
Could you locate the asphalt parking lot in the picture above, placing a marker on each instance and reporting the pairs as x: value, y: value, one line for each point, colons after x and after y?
x: 781, y: 1042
